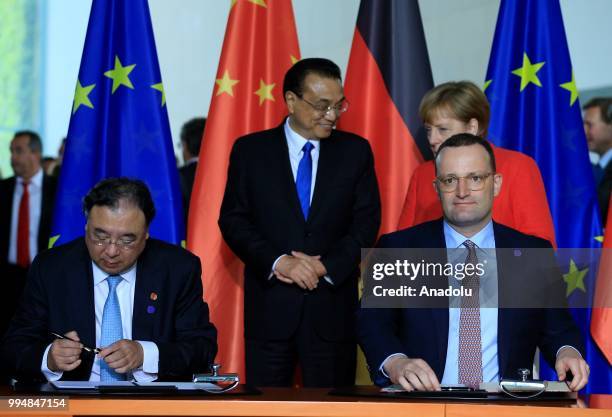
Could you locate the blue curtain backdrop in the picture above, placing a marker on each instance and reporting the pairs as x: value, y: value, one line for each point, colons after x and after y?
x: 535, y: 109
x: 119, y: 124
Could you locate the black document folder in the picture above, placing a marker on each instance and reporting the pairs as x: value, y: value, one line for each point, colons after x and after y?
x: 449, y: 395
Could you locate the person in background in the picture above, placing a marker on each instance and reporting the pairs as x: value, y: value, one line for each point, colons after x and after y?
x: 192, y: 133
x: 461, y: 107
x: 598, y: 129
x: 26, y: 208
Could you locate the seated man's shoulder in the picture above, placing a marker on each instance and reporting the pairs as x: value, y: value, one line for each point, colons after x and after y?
x: 164, y: 250
x: 518, y: 239
x: 68, y: 251
x: 413, y: 237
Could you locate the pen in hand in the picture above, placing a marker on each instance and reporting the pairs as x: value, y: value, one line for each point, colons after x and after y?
x: 88, y: 349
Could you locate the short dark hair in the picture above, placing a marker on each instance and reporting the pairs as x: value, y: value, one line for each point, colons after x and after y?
x: 466, y: 139
x: 109, y: 191
x: 605, y: 107
x: 35, y: 144
x: 295, y: 76
x: 191, y: 134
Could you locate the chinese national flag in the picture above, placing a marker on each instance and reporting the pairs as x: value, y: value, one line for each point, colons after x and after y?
x: 601, y: 320
x: 260, y: 45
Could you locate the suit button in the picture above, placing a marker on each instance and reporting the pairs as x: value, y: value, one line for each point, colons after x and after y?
x: 308, y: 234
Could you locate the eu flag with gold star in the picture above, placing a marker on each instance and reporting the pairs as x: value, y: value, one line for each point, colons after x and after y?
x: 535, y: 110
x: 119, y: 122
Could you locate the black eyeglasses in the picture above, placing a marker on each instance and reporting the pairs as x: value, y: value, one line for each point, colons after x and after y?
x: 324, y: 109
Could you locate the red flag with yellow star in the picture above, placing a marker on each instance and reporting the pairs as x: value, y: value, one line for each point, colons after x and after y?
x: 601, y: 320
x: 260, y: 45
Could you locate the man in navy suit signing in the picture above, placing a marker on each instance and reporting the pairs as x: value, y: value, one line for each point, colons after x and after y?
x: 135, y: 297
x: 420, y: 348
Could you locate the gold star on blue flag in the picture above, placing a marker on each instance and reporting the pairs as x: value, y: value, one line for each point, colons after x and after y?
x: 121, y: 127
x: 535, y: 110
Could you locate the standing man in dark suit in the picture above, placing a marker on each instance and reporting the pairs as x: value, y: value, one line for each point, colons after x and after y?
x: 137, y: 298
x: 26, y: 205
x: 191, y: 141
x: 301, y: 201
x: 598, y: 130
x: 419, y: 347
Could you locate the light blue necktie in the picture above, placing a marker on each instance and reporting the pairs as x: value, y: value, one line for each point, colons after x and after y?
x: 112, y: 329
x: 303, y: 180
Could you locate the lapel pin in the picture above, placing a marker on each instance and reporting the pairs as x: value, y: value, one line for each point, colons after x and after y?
x: 150, y: 309
x: 153, y: 296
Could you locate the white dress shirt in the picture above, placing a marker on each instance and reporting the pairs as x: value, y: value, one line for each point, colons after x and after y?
x: 35, y: 191
x: 605, y: 159
x: 125, y: 294
x: 484, y: 239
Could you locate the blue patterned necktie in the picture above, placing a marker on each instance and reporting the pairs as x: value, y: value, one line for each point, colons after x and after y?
x: 112, y: 330
x: 303, y: 180
x: 470, y: 346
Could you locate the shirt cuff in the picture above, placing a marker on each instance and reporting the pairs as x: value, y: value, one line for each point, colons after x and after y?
x: 571, y: 347
x: 274, y: 266
x: 150, y: 362
x: 48, y: 373
x: 381, y: 368
x: 328, y: 279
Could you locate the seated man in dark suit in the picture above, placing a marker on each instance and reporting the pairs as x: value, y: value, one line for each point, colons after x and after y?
x: 135, y: 297
x: 421, y: 347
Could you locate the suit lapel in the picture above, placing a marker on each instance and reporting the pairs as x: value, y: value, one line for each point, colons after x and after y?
x: 504, y: 316
x: 84, y: 314
x: 324, y: 174
x: 440, y: 315
x: 147, y: 296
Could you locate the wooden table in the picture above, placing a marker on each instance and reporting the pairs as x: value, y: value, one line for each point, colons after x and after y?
x: 299, y: 403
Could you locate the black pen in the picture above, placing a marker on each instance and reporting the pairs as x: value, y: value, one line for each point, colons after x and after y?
x: 88, y: 349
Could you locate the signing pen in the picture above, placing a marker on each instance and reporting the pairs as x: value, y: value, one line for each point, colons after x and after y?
x: 88, y: 349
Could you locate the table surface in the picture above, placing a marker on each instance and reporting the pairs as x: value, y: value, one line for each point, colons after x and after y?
x: 287, y: 402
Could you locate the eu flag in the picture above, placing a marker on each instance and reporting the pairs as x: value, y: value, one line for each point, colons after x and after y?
x: 119, y: 123
x: 535, y: 109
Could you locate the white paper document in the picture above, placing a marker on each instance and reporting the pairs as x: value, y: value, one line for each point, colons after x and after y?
x: 92, y: 385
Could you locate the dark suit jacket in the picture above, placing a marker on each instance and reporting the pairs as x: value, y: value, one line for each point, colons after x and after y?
x: 261, y: 219
x: 603, y: 191
x: 187, y: 176
x: 59, y: 297
x: 14, y: 276
x: 423, y: 332
x: 7, y: 187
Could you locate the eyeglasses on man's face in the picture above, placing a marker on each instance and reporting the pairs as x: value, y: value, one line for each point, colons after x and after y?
x: 106, y: 241
x: 475, y: 182
x: 325, y: 109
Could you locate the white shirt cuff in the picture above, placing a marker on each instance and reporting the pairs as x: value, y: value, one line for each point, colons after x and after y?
x: 381, y: 368
x: 150, y: 362
x: 274, y: 266
x: 48, y: 373
x: 571, y: 347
